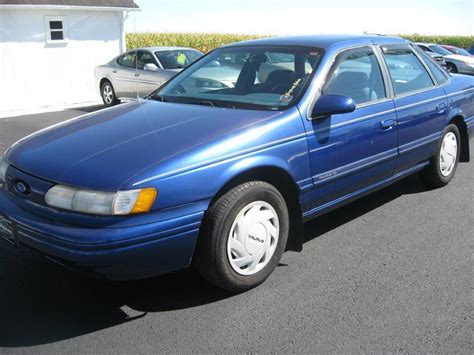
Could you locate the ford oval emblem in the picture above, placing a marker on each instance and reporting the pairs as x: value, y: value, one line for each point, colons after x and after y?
x: 22, y: 188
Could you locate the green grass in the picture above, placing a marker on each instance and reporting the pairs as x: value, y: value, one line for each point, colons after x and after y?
x: 206, y: 42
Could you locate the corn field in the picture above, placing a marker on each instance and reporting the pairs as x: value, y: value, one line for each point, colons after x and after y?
x: 206, y: 42
x: 458, y: 41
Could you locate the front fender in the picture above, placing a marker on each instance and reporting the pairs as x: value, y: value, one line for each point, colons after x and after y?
x: 199, y: 186
x: 251, y: 163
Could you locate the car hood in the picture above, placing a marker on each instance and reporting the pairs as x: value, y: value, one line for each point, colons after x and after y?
x: 461, y: 58
x: 105, y: 149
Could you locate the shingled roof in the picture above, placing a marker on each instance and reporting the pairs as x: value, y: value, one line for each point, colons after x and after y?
x: 86, y: 3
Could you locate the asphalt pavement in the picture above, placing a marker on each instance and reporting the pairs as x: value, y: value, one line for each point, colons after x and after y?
x: 391, y: 272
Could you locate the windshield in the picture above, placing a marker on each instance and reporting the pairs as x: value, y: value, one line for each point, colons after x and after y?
x: 459, y: 51
x: 177, y: 59
x: 440, y: 50
x: 262, y: 77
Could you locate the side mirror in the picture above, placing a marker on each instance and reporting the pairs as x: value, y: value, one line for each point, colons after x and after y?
x: 150, y: 67
x: 332, y: 104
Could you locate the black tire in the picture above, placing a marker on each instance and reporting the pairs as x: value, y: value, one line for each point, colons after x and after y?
x: 432, y: 175
x: 211, y: 258
x: 111, y: 99
x: 451, y: 68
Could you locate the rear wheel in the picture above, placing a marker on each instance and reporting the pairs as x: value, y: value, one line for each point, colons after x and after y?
x: 451, y: 68
x: 444, y: 163
x: 243, y: 237
x: 108, y: 94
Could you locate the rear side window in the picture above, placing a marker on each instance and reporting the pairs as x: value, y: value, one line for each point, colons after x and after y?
x: 438, y: 72
x: 407, y: 72
x: 357, y: 74
x: 127, y: 60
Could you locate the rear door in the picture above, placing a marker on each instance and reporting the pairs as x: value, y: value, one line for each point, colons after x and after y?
x: 351, y: 151
x: 420, y: 103
x: 125, y: 79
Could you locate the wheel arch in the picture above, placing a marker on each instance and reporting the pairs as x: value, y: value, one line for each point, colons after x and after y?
x: 285, y: 184
x: 452, y: 63
x: 458, y: 120
x: 104, y: 79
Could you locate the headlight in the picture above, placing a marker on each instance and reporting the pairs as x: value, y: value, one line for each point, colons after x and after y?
x: 102, y: 203
x: 3, y: 169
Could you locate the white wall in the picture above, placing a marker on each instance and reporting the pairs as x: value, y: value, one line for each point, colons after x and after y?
x: 36, y: 76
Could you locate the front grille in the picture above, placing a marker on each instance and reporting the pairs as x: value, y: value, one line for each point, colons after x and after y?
x: 35, y: 188
x: 6, y: 230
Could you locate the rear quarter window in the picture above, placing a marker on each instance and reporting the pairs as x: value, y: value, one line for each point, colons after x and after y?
x: 439, y: 73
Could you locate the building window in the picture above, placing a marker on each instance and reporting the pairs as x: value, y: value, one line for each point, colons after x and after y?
x: 55, y: 29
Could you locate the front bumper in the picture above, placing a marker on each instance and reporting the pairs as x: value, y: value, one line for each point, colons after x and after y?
x: 131, y: 252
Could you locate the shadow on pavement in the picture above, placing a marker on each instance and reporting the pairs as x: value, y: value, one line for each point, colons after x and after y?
x: 357, y: 208
x: 42, y: 303
x: 88, y: 109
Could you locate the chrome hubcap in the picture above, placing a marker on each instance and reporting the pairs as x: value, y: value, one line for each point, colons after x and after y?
x: 108, y: 94
x: 448, y: 153
x: 253, y: 238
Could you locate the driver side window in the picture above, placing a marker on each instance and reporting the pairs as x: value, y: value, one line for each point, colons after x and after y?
x: 144, y: 58
x: 357, y: 74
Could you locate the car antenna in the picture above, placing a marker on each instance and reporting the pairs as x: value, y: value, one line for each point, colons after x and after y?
x: 136, y: 59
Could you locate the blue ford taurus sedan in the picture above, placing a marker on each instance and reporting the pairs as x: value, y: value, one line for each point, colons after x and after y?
x: 220, y: 174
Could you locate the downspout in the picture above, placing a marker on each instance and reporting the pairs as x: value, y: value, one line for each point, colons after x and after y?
x: 123, y: 40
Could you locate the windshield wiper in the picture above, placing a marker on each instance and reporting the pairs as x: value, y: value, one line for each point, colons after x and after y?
x: 158, y: 98
x: 223, y: 104
x: 204, y: 103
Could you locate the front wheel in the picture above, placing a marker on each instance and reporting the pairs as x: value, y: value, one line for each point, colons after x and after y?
x: 444, y: 163
x: 243, y: 237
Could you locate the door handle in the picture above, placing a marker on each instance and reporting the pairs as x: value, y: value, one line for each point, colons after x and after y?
x: 387, y: 124
x: 114, y: 71
x: 136, y: 74
x: 440, y: 108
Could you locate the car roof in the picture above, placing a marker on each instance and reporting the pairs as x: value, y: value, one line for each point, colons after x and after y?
x: 162, y: 49
x: 320, y: 41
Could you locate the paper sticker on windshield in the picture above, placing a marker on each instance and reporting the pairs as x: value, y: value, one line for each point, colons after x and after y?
x: 293, y: 87
x: 181, y: 60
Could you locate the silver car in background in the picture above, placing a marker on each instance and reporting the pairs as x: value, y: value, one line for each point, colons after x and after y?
x: 140, y: 71
x: 454, y: 63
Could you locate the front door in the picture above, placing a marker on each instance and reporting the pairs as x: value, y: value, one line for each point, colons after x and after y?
x: 148, y: 81
x: 349, y: 152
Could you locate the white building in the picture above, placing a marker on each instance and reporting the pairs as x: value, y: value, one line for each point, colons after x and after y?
x: 49, y: 49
